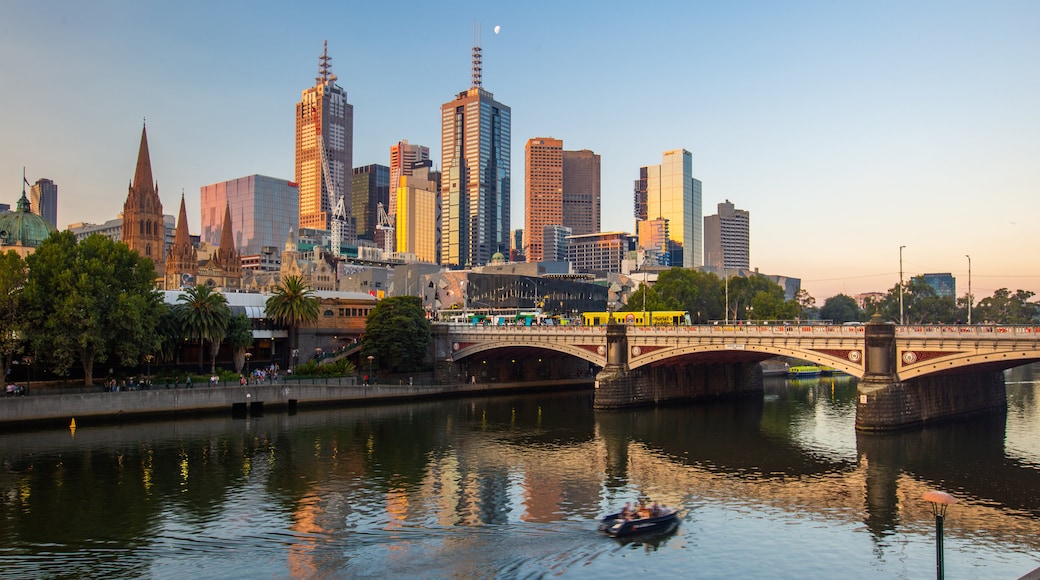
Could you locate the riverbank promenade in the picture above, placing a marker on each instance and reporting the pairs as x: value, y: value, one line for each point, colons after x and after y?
x: 60, y: 406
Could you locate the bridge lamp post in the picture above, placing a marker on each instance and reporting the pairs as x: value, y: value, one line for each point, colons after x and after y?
x: 970, y: 298
x: 940, y: 500
x: 901, y: 285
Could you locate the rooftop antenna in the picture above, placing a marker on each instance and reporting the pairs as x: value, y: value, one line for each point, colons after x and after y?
x: 476, y: 56
x: 323, y: 65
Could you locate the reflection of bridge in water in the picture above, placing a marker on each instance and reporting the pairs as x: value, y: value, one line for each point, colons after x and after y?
x: 910, y: 375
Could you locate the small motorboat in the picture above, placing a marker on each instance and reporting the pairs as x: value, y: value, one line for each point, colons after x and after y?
x: 616, y: 525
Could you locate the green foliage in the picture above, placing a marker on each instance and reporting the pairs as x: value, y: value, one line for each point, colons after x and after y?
x: 90, y: 302
x: 397, y: 334
x: 841, y: 308
x: 203, y: 315
x: 339, y: 368
x: 1007, y: 308
x: 12, y: 282
x: 293, y: 304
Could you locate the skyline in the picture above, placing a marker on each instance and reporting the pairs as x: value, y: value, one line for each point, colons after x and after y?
x: 845, y: 131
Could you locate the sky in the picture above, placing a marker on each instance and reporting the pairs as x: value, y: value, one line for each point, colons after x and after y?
x: 847, y: 129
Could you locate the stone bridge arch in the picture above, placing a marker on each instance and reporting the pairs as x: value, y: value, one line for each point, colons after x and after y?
x: 841, y: 359
x: 582, y: 352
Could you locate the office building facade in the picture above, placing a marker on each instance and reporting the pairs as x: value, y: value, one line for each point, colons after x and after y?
x: 324, y: 120
x: 581, y: 191
x: 475, y: 180
x: 727, y: 238
x: 43, y: 197
x: 562, y: 189
x: 600, y: 253
x: 370, y: 187
x: 415, y: 222
x: 543, y: 198
x: 263, y: 210
x: 669, y: 191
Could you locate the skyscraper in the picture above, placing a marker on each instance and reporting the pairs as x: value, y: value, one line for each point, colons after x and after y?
x: 581, y: 191
x: 43, y: 197
x: 144, y: 228
x: 672, y: 193
x: 370, y: 187
x: 263, y: 210
x: 562, y: 189
x: 415, y: 221
x: 324, y: 121
x: 726, y: 237
x: 475, y: 134
x: 543, y: 202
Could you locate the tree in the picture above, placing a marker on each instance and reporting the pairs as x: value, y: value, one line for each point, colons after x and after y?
x: 12, y: 282
x: 239, y: 338
x: 397, y: 334
x: 293, y: 304
x: 204, y: 315
x: 840, y: 309
x: 1007, y: 308
x: 90, y: 302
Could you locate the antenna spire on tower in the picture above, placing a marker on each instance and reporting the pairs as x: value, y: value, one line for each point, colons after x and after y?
x: 477, y: 57
x: 323, y: 65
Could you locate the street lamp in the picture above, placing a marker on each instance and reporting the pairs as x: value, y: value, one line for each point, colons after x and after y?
x: 248, y: 356
x: 901, y: 285
x: 148, y: 372
x: 370, y: 359
x: 970, y: 299
x: 940, y: 500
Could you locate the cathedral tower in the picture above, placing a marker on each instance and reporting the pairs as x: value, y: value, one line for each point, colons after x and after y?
x: 143, y: 227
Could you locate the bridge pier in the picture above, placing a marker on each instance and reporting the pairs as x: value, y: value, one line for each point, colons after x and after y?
x: 887, y: 404
x: 618, y: 386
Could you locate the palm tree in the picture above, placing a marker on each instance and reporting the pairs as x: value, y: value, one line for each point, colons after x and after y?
x: 204, y: 315
x: 293, y: 304
x: 239, y: 338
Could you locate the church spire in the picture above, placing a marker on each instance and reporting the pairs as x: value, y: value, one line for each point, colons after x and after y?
x: 143, y: 173
x: 227, y: 241
x: 181, y: 237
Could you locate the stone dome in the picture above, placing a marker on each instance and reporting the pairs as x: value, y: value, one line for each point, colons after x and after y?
x: 24, y: 228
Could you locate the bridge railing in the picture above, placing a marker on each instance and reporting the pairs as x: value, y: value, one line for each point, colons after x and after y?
x: 982, y: 331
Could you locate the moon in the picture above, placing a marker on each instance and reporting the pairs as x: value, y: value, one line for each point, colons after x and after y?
x: 498, y: 29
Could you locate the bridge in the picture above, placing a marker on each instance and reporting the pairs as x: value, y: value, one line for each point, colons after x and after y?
x: 939, y: 370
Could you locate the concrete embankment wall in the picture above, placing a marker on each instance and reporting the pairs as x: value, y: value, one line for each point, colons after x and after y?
x: 63, y: 408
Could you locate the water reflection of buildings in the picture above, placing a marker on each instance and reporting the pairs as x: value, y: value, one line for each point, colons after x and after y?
x: 398, y: 471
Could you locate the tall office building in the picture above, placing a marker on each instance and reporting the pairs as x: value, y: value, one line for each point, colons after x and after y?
x: 324, y: 120
x: 43, y: 197
x: 415, y: 222
x: 562, y: 189
x: 581, y: 191
x: 263, y: 210
x: 543, y: 202
x: 475, y: 177
x: 403, y: 157
x: 554, y: 239
x: 726, y: 238
x: 370, y: 186
x: 144, y: 228
x: 669, y: 191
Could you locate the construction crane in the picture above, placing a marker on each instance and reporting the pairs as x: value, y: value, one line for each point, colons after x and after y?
x: 339, y: 213
x: 386, y: 225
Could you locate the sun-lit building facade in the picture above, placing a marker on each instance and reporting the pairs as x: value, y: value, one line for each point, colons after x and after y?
x: 263, y: 210
x: 669, y: 191
x: 475, y: 180
x: 323, y: 116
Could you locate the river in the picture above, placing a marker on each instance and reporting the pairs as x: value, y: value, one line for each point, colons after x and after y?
x: 780, y: 486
